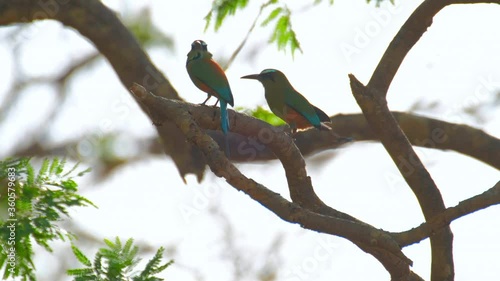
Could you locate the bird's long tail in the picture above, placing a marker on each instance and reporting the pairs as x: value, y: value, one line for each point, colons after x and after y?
x: 224, y: 124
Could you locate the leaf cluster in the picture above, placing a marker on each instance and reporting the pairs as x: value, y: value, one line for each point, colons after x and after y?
x: 283, y: 34
x: 221, y: 9
x: 39, y: 202
x: 117, y: 262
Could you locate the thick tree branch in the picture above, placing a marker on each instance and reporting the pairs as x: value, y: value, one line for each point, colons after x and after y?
x: 372, y: 101
x: 484, y: 200
x: 374, y: 107
x: 371, y: 240
x: 433, y: 133
x: 113, y: 40
x: 421, y: 131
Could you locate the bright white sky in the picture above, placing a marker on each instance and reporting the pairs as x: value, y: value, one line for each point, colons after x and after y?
x: 456, y: 63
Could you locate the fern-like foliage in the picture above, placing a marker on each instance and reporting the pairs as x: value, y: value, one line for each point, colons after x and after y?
x: 117, y: 262
x: 35, y: 203
x: 283, y: 34
x: 221, y: 9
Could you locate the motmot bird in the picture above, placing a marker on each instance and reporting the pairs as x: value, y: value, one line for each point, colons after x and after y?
x: 209, y: 77
x: 287, y: 103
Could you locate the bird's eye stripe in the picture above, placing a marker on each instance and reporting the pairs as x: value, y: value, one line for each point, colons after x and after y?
x: 266, y: 71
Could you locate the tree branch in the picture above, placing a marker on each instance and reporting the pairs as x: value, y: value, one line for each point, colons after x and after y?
x: 103, y: 28
x: 371, y: 100
x: 368, y: 238
x: 421, y: 131
x: 484, y: 200
x: 374, y: 107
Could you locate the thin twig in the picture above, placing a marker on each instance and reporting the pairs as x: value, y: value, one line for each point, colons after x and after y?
x: 244, y: 41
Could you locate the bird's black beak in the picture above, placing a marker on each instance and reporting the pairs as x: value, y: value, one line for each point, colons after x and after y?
x: 251, y: 76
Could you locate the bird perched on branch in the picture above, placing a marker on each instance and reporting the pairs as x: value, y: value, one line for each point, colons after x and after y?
x: 287, y: 103
x: 209, y: 77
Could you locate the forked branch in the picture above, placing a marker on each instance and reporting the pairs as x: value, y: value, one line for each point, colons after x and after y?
x: 368, y: 238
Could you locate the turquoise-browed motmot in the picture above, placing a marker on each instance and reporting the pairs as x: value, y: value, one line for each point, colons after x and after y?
x: 209, y: 77
x: 287, y: 103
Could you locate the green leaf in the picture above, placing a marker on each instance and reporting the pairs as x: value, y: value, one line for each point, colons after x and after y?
x: 69, y: 185
x: 80, y: 256
x: 88, y: 170
x: 154, y: 267
x: 81, y: 272
x: 283, y: 35
x: 71, y: 171
x: 30, y: 175
x: 43, y: 170
x: 274, y: 13
x: 221, y: 9
x: 110, y: 244
x: 128, y: 245
x: 208, y: 20
x: 263, y: 114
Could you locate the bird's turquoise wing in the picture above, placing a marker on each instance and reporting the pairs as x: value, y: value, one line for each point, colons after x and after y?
x: 300, y: 104
x: 211, y: 75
